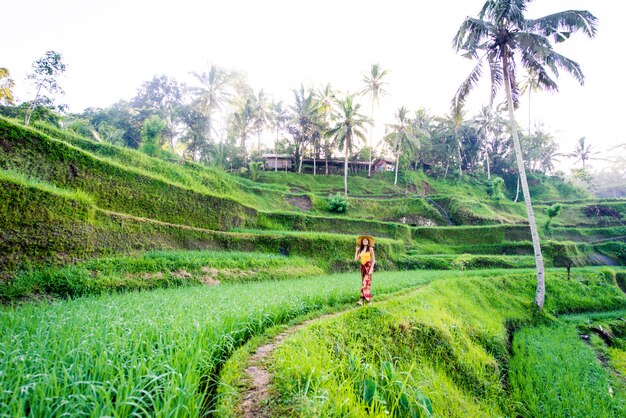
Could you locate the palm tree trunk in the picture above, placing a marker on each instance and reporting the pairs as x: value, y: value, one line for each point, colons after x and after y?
x: 488, y: 167
x: 345, y: 165
x: 517, y: 191
x: 369, y: 168
x: 541, y: 286
x: 397, y: 164
x: 456, y: 134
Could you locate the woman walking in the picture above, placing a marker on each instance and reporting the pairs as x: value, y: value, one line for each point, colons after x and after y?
x: 365, y: 251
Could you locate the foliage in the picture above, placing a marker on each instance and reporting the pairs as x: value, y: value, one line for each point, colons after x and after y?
x: 152, y: 129
x: 163, y: 349
x: 552, y: 212
x: 44, y: 76
x: 553, y: 372
x: 446, y: 341
x: 255, y: 169
x: 6, y: 86
x: 496, y: 188
x: 337, y: 204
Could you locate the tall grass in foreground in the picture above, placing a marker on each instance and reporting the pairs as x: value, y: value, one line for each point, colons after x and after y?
x: 156, y: 269
x: 151, y: 353
x: 555, y: 374
x: 440, y: 351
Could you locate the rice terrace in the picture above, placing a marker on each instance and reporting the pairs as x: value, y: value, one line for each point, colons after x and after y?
x: 230, y: 243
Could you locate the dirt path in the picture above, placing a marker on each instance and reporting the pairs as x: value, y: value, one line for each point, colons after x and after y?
x: 258, y: 375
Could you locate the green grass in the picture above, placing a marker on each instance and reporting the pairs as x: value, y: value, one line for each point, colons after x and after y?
x: 442, y: 347
x: 151, y: 353
x: 554, y: 374
x: 12, y: 176
x: 153, y: 270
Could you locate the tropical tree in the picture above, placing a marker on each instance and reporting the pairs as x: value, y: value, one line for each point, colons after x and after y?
x: 213, y: 93
x: 582, y: 151
x: 280, y: 117
x: 489, y: 125
x: 6, y: 84
x: 504, y: 38
x: 262, y: 115
x: 375, y: 89
x: 325, y: 99
x: 243, y: 123
x: 164, y: 96
x: 304, y: 124
x: 350, y: 124
x: 44, y: 76
x: 530, y: 83
x: 400, y: 135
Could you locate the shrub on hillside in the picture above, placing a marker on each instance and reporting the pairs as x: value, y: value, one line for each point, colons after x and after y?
x: 337, y: 204
x: 495, y: 188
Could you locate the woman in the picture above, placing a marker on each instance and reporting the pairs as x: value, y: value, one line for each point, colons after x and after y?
x: 365, y: 251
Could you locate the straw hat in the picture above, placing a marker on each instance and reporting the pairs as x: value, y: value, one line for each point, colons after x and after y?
x: 369, y: 238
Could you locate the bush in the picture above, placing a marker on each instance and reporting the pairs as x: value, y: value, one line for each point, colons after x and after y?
x: 495, y: 188
x: 337, y: 204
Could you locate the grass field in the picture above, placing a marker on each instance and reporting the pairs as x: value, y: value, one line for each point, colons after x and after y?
x: 151, y: 353
x: 442, y: 350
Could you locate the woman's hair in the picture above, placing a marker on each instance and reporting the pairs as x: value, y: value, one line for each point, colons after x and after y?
x: 363, y: 246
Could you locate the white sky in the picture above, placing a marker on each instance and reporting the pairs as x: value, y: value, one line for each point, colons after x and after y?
x: 112, y: 46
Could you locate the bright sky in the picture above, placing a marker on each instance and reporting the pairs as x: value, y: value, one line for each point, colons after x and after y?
x: 112, y: 46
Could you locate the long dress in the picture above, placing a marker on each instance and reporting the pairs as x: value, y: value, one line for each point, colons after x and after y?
x: 366, y: 279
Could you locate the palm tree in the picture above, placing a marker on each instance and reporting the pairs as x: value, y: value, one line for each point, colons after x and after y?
x: 303, y: 126
x: 213, y: 93
x: 325, y: 98
x: 401, y: 135
x: 244, y: 124
x: 503, y: 37
x: 350, y: 124
x: 374, y: 88
x: 262, y: 114
x: 582, y: 151
x: 489, y: 124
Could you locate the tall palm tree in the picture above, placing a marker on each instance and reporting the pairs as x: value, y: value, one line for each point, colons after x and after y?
x: 213, y: 93
x: 244, y: 124
x: 401, y: 136
x: 503, y: 37
x: 304, y: 124
x: 325, y: 99
x: 374, y: 88
x: 350, y: 124
x: 262, y: 115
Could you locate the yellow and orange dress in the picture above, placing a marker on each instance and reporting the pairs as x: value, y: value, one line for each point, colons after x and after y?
x: 366, y: 279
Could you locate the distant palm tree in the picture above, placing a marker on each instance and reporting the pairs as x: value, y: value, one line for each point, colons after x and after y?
x: 529, y: 84
x: 213, y: 93
x: 582, y: 151
x: 304, y: 124
x: 244, y: 124
x: 350, y: 124
x: 325, y: 99
x: 262, y: 115
x: 489, y: 124
x: 374, y: 88
x: 400, y: 136
x: 500, y: 35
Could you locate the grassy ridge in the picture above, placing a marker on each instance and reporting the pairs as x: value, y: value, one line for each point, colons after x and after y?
x: 442, y: 349
x: 153, y: 270
x: 113, y: 186
x: 150, y: 353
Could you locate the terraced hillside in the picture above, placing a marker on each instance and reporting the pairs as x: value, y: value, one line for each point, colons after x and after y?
x: 65, y: 198
x: 166, y: 277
